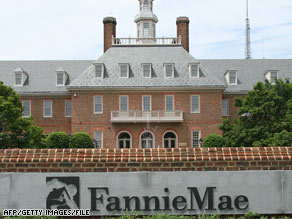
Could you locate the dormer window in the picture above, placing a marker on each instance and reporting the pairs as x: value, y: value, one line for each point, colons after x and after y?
x: 194, y: 70
x: 231, y: 77
x: 146, y: 69
x: 99, y: 70
x: 124, y: 70
x: 169, y: 70
x: 272, y: 76
x: 62, y: 77
x: 20, y: 77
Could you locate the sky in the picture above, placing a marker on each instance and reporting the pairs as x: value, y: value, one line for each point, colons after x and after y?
x: 73, y: 29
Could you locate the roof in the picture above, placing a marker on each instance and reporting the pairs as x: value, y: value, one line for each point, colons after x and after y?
x: 135, y: 56
x: 56, y: 193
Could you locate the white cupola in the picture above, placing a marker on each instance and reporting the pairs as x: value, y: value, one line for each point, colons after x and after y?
x: 146, y: 21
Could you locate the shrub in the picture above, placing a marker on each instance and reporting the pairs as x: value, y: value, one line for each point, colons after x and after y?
x: 58, y: 140
x: 283, y: 138
x: 80, y: 140
x: 213, y: 140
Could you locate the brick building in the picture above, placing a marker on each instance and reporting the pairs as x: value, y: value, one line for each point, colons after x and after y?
x: 143, y: 92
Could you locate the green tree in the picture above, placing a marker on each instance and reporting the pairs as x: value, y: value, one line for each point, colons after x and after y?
x: 80, y: 140
x: 58, y: 140
x: 16, y: 131
x: 263, y: 112
x: 213, y: 140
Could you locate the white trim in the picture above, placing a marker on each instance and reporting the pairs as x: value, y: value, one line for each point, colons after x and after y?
x: 143, y: 103
x: 140, y: 139
x: 117, y: 140
x: 128, y: 69
x: 18, y: 85
x: 96, y: 112
x: 199, y: 103
x: 198, y: 139
x: 269, y: 75
x: 227, y: 76
x: 29, y: 108
x: 173, y: 107
x: 225, y: 100
x: 164, y: 67
x: 102, y: 70
x: 65, y: 109
x: 190, y: 70
x: 63, y: 74
x: 50, y: 116
x: 150, y: 73
x: 176, y: 137
x: 94, y: 132
x: 127, y: 103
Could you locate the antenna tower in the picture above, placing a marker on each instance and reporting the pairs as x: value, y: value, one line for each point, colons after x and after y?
x: 247, y: 46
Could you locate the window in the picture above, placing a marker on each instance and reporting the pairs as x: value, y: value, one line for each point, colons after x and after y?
x: 138, y: 30
x: 48, y: 108
x: 195, y: 103
x: 60, y: 79
x: 169, y: 140
x: 225, y: 107
x: 123, y: 103
x: 97, y: 139
x: 232, y: 77
x: 99, y: 70
x: 98, y: 104
x: 18, y: 79
x: 26, y: 108
x: 194, y: 71
x: 124, y: 140
x: 147, y: 140
x: 274, y: 77
x: 68, y: 108
x: 124, y: 70
x: 146, y: 103
x: 146, y: 5
x: 146, y: 68
x: 146, y: 29
x: 196, y: 139
x: 169, y: 106
x: 169, y: 70
x: 153, y: 30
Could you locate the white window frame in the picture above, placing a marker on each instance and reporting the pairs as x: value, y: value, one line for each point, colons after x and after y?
x: 199, y: 137
x: 120, y: 103
x: 94, y: 136
x: 150, y: 70
x: 94, y: 110
x: 271, y: 73
x: 44, y: 110
x: 66, y: 101
x: 24, y: 116
x: 21, y: 84
x: 190, y: 70
x: 176, y: 138
x: 152, y: 139
x: 102, y: 70
x: 144, y: 30
x: 228, y: 75
x: 173, y: 108
x: 199, y: 103
x: 144, y: 105
x: 165, y: 76
x: 63, y: 78
x: 225, y: 100
x: 131, y: 138
x: 128, y: 70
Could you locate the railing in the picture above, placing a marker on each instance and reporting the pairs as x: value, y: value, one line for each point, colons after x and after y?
x: 145, y: 117
x: 147, y: 41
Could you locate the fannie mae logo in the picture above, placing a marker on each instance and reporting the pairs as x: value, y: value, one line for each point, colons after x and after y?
x: 63, y: 193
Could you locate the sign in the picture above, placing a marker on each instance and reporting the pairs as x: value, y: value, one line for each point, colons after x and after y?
x: 184, y: 193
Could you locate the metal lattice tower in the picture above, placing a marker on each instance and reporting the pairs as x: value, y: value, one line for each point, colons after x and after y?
x: 247, y: 43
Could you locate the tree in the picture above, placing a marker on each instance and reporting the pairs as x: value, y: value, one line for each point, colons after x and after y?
x: 213, y: 140
x: 58, y: 140
x: 80, y: 140
x: 16, y: 131
x: 263, y: 112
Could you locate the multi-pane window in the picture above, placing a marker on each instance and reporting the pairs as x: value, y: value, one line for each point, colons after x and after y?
x: 232, y: 77
x: 18, y: 79
x: 147, y: 140
x: 97, y: 104
x: 153, y: 30
x: 138, y: 30
x: 194, y: 71
x: 26, y: 108
x: 60, y: 79
x: 124, y: 140
x: 195, y: 139
x: 48, y: 108
x: 225, y: 107
x: 169, y: 70
x: 98, y: 139
x: 146, y: 29
x: 169, y: 140
x: 124, y: 71
x: 274, y: 76
x: 146, y: 103
x: 146, y: 68
x: 68, y: 108
x: 195, y: 104
x: 99, y: 71
x: 169, y: 103
x: 123, y: 103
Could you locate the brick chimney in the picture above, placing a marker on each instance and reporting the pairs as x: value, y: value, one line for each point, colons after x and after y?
x: 109, y: 24
x: 182, y: 25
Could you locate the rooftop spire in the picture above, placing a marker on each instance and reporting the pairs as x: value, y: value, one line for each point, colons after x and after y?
x: 247, y: 35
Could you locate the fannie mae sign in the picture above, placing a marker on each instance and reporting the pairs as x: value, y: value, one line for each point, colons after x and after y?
x: 185, y: 193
